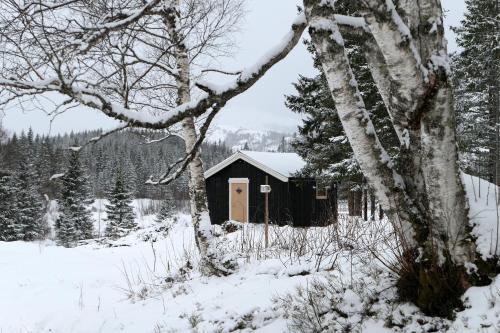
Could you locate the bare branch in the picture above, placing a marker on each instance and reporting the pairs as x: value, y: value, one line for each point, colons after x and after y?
x: 91, y: 35
x: 87, y: 95
x: 168, y: 176
x: 98, y: 138
x: 221, y: 71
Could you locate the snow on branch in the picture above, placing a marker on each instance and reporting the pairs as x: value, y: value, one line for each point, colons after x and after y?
x: 56, y: 176
x: 90, y: 95
x: 251, y: 74
x: 166, y: 137
x: 352, y: 21
x: 98, y: 138
x: 219, y: 71
x: 169, y: 175
x: 91, y: 35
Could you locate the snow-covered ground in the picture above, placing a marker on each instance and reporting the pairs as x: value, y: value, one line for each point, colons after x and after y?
x: 148, y: 282
x: 119, y: 288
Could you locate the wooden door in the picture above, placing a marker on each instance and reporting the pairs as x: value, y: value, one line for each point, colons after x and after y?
x: 238, y: 197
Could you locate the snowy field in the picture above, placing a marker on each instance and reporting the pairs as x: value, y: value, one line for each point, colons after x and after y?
x: 148, y: 282
x: 97, y: 288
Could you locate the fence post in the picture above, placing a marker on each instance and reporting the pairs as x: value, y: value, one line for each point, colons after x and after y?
x: 266, y: 217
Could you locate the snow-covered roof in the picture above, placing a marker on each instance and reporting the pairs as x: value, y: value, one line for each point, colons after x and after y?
x: 279, y: 165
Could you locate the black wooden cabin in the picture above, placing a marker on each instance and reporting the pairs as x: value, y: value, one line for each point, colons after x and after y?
x: 233, y: 189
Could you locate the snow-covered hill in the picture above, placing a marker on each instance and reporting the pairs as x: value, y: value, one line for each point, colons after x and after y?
x: 236, y: 137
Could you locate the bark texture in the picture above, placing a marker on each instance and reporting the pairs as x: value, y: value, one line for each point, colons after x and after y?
x: 421, y: 192
x: 209, y: 264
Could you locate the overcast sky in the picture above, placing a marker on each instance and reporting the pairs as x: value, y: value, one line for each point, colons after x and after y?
x: 262, y: 107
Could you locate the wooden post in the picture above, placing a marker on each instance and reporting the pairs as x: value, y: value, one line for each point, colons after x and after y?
x: 365, y: 203
x: 266, y: 217
x: 334, y: 202
x: 350, y: 201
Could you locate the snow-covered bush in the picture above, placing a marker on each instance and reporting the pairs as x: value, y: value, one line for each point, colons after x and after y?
x: 368, y: 303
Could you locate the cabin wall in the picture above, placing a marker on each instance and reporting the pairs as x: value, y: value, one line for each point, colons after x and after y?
x: 302, y: 201
x: 326, y: 211
x: 306, y: 209
x: 292, y: 202
x: 218, y: 194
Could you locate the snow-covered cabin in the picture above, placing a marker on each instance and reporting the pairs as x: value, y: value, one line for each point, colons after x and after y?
x: 234, y: 190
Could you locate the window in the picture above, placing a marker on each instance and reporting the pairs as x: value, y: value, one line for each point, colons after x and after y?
x: 322, y: 192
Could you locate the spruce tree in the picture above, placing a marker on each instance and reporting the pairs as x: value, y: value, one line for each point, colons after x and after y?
x: 476, y: 76
x: 44, y: 170
x: 65, y: 230
x: 167, y: 208
x: 143, y: 162
x: 75, y: 222
x: 8, y: 207
x: 29, y: 203
x: 99, y: 173
x: 120, y: 214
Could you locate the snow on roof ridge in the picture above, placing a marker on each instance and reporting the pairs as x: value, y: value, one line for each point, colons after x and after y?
x: 277, y: 164
x: 284, y: 163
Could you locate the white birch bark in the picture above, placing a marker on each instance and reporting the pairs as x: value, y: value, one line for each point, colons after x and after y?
x: 425, y: 194
x: 197, y: 190
x: 372, y: 157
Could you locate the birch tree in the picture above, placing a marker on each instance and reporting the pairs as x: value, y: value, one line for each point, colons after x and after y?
x: 134, y: 61
x: 422, y: 191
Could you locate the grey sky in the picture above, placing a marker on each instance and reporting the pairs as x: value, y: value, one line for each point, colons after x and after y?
x: 262, y: 107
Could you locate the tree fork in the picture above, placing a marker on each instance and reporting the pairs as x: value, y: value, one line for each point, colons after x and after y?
x: 422, y: 195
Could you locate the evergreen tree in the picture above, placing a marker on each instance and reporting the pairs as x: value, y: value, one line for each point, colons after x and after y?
x: 75, y: 222
x: 130, y: 175
x: 11, y: 154
x: 99, y: 183
x: 50, y: 156
x: 167, y: 208
x: 44, y: 170
x: 476, y: 83
x: 322, y: 141
x: 29, y: 204
x: 120, y: 215
x: 283, y: 146
x: 8, y: 208
x: 65, y: 230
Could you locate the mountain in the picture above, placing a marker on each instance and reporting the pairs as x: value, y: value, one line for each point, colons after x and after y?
x: 242, y: 138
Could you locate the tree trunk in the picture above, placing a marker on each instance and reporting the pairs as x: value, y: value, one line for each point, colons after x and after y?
x: 422, y: 194
x: 494, y: 119
x: 373, y: 207
x: 358, y: 202
x: 350, y: 202
x: 209, y: 264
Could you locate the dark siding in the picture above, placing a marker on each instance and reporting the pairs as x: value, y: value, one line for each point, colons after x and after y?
x: 306, y: 209
x: 302, y: 203
x: 218, y: 194
x: 326, y: 209
x: 293, y: 202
